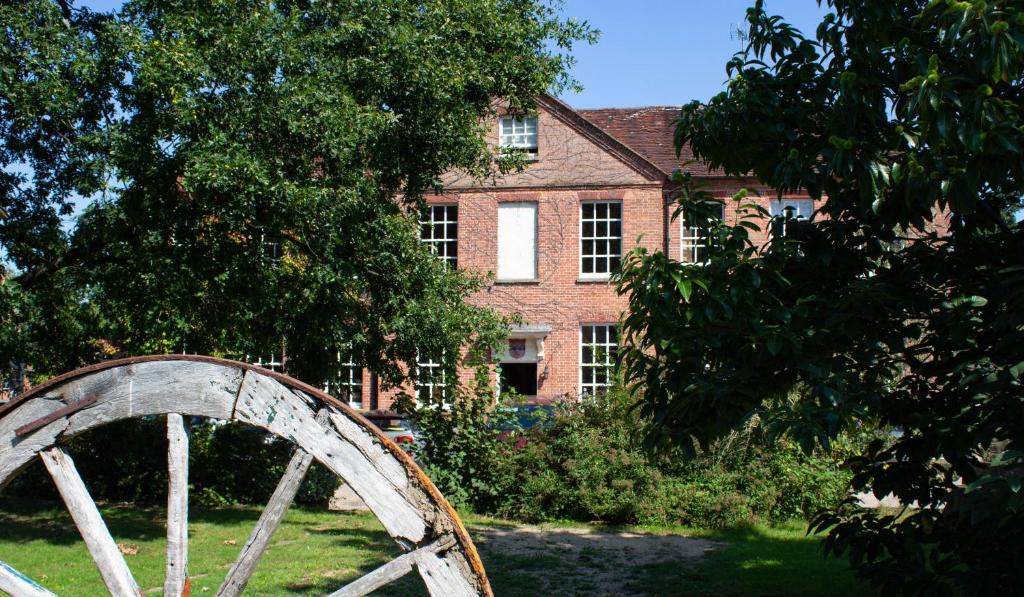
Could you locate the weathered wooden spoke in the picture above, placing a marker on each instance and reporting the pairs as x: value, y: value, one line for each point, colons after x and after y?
x: 17, y: 584
x: 408, y: 506
x: 240, y: 573
x: 176, y: 578
x: 393, y: 570
x: 104, y: 551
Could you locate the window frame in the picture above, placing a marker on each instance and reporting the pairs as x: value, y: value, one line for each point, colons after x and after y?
x: 691, y: 242
x: 777, y: 210
x: 271, y: 364
x: 350, y: 376
x: 442, y: 247
x: 418, y: 383
x: 610, y: 364
x: 525, y: 121
x: 610, y: 259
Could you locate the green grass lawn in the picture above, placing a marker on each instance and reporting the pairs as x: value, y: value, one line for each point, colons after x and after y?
x: 315, y: 552
x: 760, y: 560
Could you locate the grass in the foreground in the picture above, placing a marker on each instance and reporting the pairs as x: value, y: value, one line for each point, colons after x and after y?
x: 315, y: 552
x: 312, y: 553
x: 759, y: 560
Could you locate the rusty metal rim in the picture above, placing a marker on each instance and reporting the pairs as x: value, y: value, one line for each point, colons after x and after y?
x: 460, y: 530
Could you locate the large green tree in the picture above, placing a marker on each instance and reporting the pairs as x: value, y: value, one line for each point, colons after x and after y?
x: 251, y: 172
x: 900, y: 305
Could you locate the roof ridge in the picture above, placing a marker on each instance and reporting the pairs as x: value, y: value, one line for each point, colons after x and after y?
x: 657, y: 107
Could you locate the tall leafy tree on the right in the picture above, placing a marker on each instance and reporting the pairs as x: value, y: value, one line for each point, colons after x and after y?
x: 901, y: 305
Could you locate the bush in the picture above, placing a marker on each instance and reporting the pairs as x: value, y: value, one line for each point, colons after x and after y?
x: 458, y: 446
x: 587, y: 465
x: 229, y: 463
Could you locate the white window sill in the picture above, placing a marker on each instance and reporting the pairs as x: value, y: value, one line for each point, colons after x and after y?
x: 602, y: 279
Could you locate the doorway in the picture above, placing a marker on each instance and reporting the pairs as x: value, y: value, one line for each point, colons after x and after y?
x: 521, y: 377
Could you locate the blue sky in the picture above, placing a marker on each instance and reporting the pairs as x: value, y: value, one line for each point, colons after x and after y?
x: 653, y: 52
x: 665, y: 52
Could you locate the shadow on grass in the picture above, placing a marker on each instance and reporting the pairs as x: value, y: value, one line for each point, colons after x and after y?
x: 24, y: 520
x: 758, y: 560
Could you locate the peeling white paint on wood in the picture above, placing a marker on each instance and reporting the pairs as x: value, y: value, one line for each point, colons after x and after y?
x: 443, y: 574
x: 393, y: 570
x: 141, y: 389
x: 105, y: 554
x: 244, y: 567
x: 177, y: 506
x: 227, y: 391
x: 155, y: 388
x: 265, y: 402
x: 17, y: 584
x: 16, y: 452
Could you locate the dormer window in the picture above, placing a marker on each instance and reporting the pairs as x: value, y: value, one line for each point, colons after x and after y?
x: 518, y: 133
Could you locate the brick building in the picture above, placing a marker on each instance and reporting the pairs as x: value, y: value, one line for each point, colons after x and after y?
x: 596, y: 185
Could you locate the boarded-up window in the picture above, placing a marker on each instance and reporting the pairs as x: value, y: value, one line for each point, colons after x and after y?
x: 517, y: 241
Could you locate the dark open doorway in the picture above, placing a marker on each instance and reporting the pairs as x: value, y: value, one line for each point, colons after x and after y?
x: 521, y: 377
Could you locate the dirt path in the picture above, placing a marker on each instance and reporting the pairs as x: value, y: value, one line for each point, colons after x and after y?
x: 584, y: 561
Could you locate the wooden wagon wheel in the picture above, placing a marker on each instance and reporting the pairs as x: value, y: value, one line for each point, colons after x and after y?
x: 407, y: 504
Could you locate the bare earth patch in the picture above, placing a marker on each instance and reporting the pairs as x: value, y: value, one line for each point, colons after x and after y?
x: 580, y: 560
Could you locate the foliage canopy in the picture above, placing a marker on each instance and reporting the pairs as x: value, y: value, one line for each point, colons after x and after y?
x: 252, y: 171
x: 901, y: 304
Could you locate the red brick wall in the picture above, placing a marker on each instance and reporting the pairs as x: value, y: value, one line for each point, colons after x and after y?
x: 559, y: 298
x: 569, y: 169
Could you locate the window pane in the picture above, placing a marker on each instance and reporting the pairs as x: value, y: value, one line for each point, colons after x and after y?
x: 600, y: 226
x: 439, y: 228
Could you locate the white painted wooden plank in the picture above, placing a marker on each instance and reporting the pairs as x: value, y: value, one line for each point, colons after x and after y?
x: 141, y: 389
x: 401, y: 509
x: 177, y: 506
x: 155, y: 388
x: 17, y: 584
x: 392, y: 571
x: 517, y: 241
x: 382, y: 459
x: 16, y: 452
x: 445, y: 576
x: 105, y: 553
x: 243, y: 568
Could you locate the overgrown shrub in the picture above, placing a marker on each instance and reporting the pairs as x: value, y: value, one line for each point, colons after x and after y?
x: 458, y: 434
x: 587, y: 465
x: 229, y: 463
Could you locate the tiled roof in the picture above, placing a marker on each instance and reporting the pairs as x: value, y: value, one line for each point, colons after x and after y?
x: 647, y: 131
